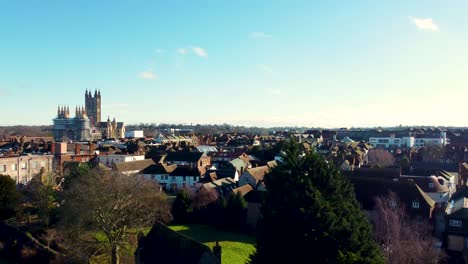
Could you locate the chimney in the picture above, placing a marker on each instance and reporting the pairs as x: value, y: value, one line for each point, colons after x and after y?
x: 77, y: 149
x: 52, y: 148
x: 217, y: 252
x: 92, y: 148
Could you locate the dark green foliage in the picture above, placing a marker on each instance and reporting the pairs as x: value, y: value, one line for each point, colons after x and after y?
x: 235, y: 212
x: 77, y: 172
x: 405, y: 165
x: 9, y: 197
x: 182, y: 207
x: 269, y: 152
x: 44, y: 199
x: 311, y: 216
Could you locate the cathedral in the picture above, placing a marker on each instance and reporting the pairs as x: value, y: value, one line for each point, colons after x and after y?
x: 86, y: 125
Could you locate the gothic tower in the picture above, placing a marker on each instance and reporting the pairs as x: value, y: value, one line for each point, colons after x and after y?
x: 93, y: 106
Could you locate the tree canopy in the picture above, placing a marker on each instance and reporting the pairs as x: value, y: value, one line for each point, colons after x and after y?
x: 310, y: 215
x: 8, y: 197
x: 110, y: 205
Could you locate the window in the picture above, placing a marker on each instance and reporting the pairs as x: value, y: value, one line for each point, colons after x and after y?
x: 455, y: 223
x: 2, y: 168
x: 431, y: 185
x: 23, y: 165
x: 415, y: 204
x: 14, y: 167
x: 33, y: 164
x: 393, y: 204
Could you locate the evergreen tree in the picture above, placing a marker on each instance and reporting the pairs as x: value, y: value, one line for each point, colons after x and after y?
x: 235, y: 212
x: 182, y: 207
x: 9, y: 197
x: 310, y: 215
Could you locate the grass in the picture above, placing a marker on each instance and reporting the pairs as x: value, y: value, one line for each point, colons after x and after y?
x: 236, y: 247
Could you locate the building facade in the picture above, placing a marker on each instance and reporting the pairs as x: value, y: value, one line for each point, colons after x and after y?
x: 86, y: 125
x: 67, y: 128
x: 112, y: 129
x: 24, y: 168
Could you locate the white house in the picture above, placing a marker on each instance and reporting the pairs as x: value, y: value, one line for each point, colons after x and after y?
x: 389, y: 142
x: 134, y: 134
x: 170, y: 177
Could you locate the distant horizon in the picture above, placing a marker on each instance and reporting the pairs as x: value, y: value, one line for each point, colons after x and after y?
x: 270, y: 127
x: 295, y: 63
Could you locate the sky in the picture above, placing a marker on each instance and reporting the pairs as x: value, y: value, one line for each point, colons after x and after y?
x: 267, y: 63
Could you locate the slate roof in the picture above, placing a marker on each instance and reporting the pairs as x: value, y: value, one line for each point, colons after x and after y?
x: 407, y: 190
x: 183, y: 171
x: 183, y: 156
x: 423, y: 183
x: 137, y: 165
x: 458, y: 208
x: 159, y: 168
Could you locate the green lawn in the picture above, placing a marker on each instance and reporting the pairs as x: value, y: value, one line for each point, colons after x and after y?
x: 236, y: 247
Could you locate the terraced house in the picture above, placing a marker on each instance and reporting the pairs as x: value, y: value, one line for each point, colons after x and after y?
x: 25, y: 167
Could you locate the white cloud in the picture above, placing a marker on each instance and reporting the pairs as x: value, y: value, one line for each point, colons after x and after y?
x: 424, y: 23
x: 160, y: 51
x: 199, y: 51
x: 265, y: 68
x: 260, y: 35
x: 182, y: 51
x: 149, y: 75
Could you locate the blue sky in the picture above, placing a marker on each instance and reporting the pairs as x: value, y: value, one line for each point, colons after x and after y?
x: 267, y: 63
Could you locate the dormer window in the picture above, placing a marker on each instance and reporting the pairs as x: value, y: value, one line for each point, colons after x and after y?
x: 393, y: 203
x: 415, y: 205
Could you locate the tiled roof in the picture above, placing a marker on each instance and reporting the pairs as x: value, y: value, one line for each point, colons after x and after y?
x: 259, y: 172
x: 183, y: 156
x: 183, y: 171
x: 159, y: 168
x: 243, y: 190
x: 138, y: 165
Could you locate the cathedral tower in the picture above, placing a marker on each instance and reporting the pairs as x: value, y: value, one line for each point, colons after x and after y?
x: 93, y: 106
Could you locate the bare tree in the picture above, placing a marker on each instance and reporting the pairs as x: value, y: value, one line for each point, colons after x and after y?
x: 111, y: 205
x: 380, y: 158
x: 204, y: 197
x: 402, y: 240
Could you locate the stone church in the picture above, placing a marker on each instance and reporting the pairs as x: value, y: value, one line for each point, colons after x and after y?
x: 86, y: 125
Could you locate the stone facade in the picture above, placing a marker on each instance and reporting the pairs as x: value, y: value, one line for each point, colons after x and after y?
x: 112, y: 129
x: 93, y: 106
x: 23, y: 168
x: 86, y: 125
x: 67, y: 128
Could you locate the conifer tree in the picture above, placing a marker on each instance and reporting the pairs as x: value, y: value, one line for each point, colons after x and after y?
x: 235, y: 213
x: 9, y: 197
x: 182, y: 207
x: 310, y: 215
